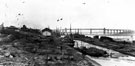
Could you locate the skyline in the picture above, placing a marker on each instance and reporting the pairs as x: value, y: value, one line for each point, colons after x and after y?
x: 111, y: 14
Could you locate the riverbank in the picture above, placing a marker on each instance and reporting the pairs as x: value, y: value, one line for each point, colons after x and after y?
x: 86, y: 57
x: 128, y: 49
x: 118, y: 59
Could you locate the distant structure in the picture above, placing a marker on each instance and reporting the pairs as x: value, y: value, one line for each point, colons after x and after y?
x: 47, y: 32
x: 1, y: 26
x: 118, y: 34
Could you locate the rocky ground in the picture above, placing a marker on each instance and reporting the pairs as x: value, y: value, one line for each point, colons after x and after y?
x: 20, y: 47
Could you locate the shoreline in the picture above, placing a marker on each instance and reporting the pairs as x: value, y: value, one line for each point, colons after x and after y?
x: 106, y: 47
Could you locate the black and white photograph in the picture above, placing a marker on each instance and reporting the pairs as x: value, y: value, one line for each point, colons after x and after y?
x: 67, y: 32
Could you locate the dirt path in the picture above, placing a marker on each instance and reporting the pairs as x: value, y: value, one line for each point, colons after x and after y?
x: 92, y: 61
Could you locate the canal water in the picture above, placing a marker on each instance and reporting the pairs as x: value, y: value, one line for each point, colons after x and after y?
x: 119, y: 38
x: 117, y: 59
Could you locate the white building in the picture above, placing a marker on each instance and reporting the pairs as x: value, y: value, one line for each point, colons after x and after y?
x: 47, y: 32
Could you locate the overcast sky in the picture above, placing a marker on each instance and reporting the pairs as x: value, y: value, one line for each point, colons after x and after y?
x: 61, y: 13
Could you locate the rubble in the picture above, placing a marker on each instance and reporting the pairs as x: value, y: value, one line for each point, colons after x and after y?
x: 26, y: 48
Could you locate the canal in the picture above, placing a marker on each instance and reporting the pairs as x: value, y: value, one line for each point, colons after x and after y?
x: 115, y: 58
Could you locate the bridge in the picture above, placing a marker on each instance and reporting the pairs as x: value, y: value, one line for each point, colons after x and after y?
x: 98, y: 31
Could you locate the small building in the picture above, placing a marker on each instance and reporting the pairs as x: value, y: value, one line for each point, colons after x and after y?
x: 47, y: 32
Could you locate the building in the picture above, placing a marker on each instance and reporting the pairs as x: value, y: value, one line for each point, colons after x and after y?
x: 47, y: 32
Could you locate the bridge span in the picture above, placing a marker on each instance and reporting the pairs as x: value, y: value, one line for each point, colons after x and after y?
x: 99, y: 31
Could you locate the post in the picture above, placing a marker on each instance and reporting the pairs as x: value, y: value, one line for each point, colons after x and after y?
x: 104, y: 31
x: 71, y: 36
x: 90, y: 31
x: 131, y: 38
x: 117, y: 31
x: 66, y: 30
x: 113, y: 31
x: 120, y: 31
x: 107, y: 31
x: 70, y: 29
x: 78, y: 31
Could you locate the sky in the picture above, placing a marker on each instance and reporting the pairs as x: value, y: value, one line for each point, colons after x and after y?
x: 113, y: 14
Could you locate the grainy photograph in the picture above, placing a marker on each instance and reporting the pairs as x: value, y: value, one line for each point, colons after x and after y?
x: 67, y: 33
